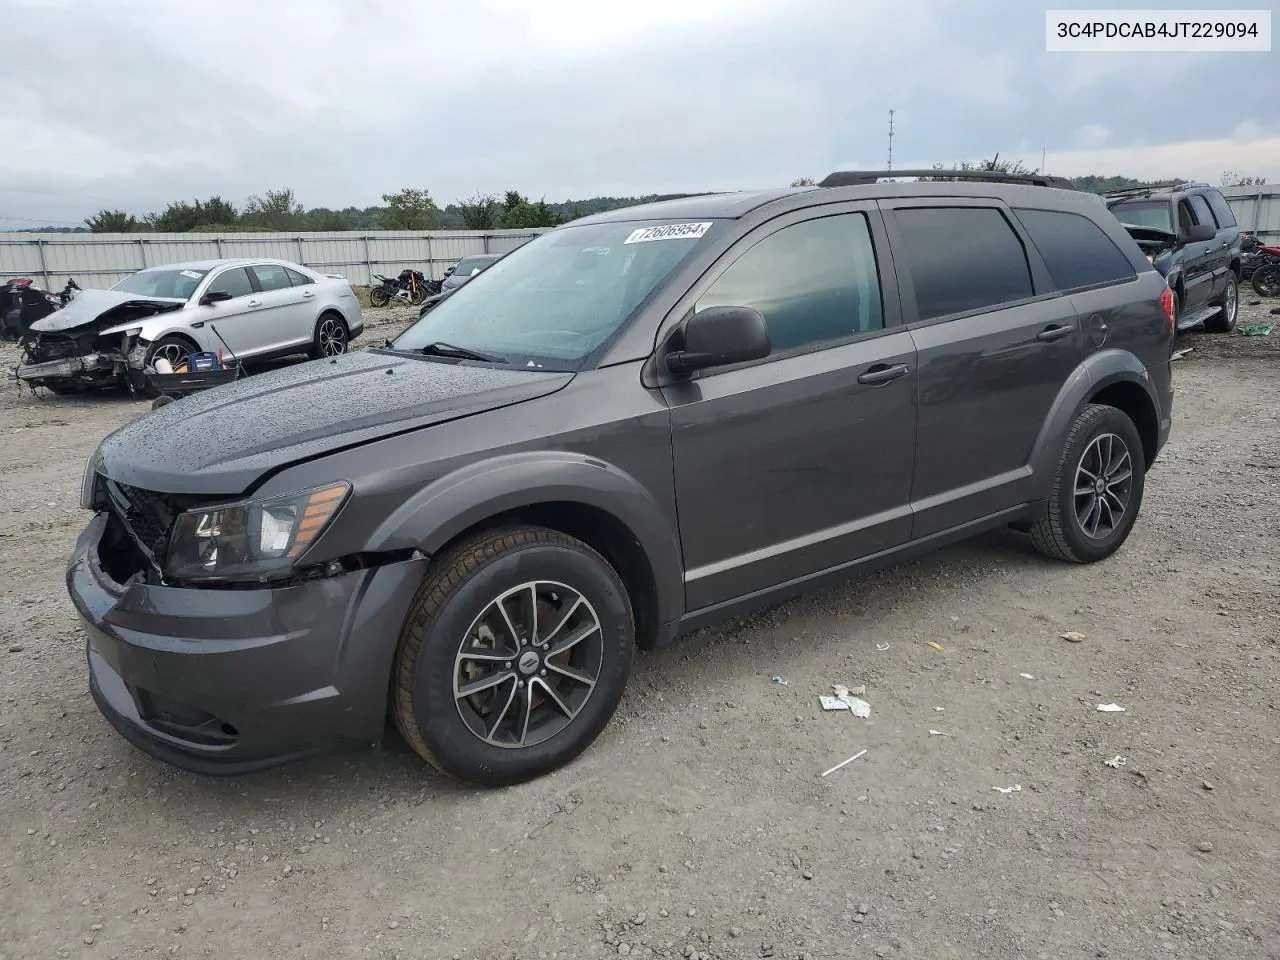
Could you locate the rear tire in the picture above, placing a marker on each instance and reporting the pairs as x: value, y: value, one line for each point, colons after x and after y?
x: 1224, y: 321
x: 331, y: 337
x: 378, y: 297
x: 531, y: 709
x: 1097, y: 488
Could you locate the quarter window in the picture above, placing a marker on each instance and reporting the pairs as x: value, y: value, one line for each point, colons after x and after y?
x: 1075, y: 249
x: 814, y: 282
x: 296, y: 278
x: 962, y: 258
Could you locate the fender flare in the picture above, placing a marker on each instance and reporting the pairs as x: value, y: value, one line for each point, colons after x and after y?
x: 1098, y: 371
x: 472, y: 494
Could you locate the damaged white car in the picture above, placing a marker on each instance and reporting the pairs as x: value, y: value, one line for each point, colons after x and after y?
x: 245, y: 309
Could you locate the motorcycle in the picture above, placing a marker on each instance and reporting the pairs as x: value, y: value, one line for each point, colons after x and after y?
x: 1260, y: 265
x: 68, y: 293
x: 411, y: 287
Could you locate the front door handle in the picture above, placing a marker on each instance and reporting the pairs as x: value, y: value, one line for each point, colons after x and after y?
x: 1049, y: 334
x: 882, y: 373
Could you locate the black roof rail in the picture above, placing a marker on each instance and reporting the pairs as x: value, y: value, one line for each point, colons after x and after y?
x: 1147, y: 189
x: 852, y: 178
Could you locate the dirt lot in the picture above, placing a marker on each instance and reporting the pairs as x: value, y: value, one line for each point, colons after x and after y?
x: 698, y: 824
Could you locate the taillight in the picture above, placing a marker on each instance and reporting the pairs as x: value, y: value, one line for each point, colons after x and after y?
x: 1167, y: 303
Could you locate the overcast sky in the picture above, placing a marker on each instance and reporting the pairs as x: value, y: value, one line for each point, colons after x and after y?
x: 131, y: 103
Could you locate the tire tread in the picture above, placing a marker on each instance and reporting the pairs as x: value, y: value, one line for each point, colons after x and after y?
x: 1048, y: 534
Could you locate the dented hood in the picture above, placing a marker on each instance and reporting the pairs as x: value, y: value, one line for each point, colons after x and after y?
x: 90, y: 305
x: 223, y: 440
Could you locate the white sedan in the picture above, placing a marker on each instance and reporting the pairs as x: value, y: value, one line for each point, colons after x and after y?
x: 245, y: 309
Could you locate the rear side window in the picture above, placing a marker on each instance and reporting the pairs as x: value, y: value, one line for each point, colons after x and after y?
x: 1221, y: 209
x: 298, y: 279
x: 1203, y: 216
x: 962, y: 258
x: 1076, y: 250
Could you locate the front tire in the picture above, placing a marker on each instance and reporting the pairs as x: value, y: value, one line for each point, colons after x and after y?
x: 1224, y: 321
x: 1097, y: 488
x: 514, y: 656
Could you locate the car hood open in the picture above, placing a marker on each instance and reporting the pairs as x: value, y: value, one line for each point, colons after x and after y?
x: 89, y: 306
x: 221, y: 442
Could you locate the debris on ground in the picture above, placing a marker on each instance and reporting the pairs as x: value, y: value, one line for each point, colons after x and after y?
x: 1074, y: 636
x: 1016, y: 788
x: 938, y: 733
x: 842, y: 763
x: 846, y: 699
x: 1257, y: 330
x: 882, y: 647
x: 1206, y: 784
x: 937, y: 646
x: 1110, y: 708
x: 1116, y: 762
x: 1026, y: 676
x: 1179, y: 354
x: 780, y: 681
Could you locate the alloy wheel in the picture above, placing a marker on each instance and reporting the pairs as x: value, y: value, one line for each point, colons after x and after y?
x: 172, y: 351
x: 528, y: 664
x: 333, y: 337
x: 1104, y: 483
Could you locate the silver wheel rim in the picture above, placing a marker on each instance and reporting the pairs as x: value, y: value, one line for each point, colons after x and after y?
x: 333, y: 337
x: 528, y: 665
x: 1230, y: 303
x: 175, y: 353
x: 1104, y: 484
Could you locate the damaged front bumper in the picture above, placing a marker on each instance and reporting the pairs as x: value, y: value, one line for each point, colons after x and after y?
x: 71, y: 368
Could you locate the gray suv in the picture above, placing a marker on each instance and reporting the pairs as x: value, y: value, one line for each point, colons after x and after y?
x: 634, y: 425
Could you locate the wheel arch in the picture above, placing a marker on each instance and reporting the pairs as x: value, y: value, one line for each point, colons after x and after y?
x: 585, y: 498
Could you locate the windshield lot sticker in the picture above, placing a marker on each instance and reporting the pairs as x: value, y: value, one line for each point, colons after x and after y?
x: 191, y: 274
x: 671, y: 231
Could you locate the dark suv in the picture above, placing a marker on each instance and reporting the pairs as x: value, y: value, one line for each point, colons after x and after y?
x: 634, y: 425
x: 1191, y: 236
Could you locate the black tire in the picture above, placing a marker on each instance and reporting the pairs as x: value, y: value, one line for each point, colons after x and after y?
x: 1266, y: 280
x: 332, y: 338
x: 1060, y: 532
x: 449, y: 730
x: 1224, y: 321
x: 378, y: 297
x: 162, y: 401
x: 417, y: 295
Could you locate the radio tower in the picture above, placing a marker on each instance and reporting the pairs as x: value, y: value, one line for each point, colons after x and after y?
x: 890, y: 166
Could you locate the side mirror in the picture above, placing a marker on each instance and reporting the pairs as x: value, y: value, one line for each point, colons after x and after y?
x: 215, y: 296
x: 720, y: 336
x: 1199, y: 233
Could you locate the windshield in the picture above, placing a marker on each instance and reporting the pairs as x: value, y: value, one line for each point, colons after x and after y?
x: 1144, y: 214
x: 164, y: 282
x: 552, y: 302
x: 465, y: 267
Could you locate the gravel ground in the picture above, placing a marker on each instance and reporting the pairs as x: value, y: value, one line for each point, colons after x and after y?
x: 698, y: 825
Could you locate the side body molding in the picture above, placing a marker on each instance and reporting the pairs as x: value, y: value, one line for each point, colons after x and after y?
x: 461, y: 499
x: 1098, y: 371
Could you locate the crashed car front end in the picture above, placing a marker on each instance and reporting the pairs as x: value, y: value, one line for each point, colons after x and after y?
x: 95, y: 341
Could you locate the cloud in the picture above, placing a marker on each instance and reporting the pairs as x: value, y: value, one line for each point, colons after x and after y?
x: 146, y: 101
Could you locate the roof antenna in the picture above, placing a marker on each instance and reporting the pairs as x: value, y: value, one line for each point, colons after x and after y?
x: 890, y: 165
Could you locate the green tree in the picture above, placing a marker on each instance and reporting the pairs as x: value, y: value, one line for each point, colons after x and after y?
x: 1232, y: 179
x: 410, y: 209
x: 274, y: 210
x: 113, y: 221
x: 526, y: 215
x: 216, y: 210
x: 804, y: 182
x: 994, y: 165
x: 512, y: 200
x: 480, y: 212
x: 177, y: 217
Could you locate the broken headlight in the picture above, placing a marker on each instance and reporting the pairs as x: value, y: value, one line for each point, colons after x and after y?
x: 89, y: 482
x: 250, y: 540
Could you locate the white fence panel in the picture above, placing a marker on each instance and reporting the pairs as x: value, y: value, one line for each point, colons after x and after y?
x: 103, y: 259
x: 1257, y: 209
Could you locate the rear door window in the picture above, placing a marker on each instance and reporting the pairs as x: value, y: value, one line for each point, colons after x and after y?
x: 962, y: 258
x: 1076, y: 250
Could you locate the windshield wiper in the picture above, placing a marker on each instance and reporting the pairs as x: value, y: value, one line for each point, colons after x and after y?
x: 441, y: 349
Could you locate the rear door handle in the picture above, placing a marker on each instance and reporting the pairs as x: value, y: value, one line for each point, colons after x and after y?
x: 883, y: 374
x: 254, y: 303
x: 1054, y: 333
x: 308, y: 294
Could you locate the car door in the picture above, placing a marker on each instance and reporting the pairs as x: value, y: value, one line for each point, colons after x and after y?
x: 235, y: 320
x: 800, y: 462
x: 1216, y: 254
x: 1196, y: 258
x: 286, y: 317
x: 996, y: 343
